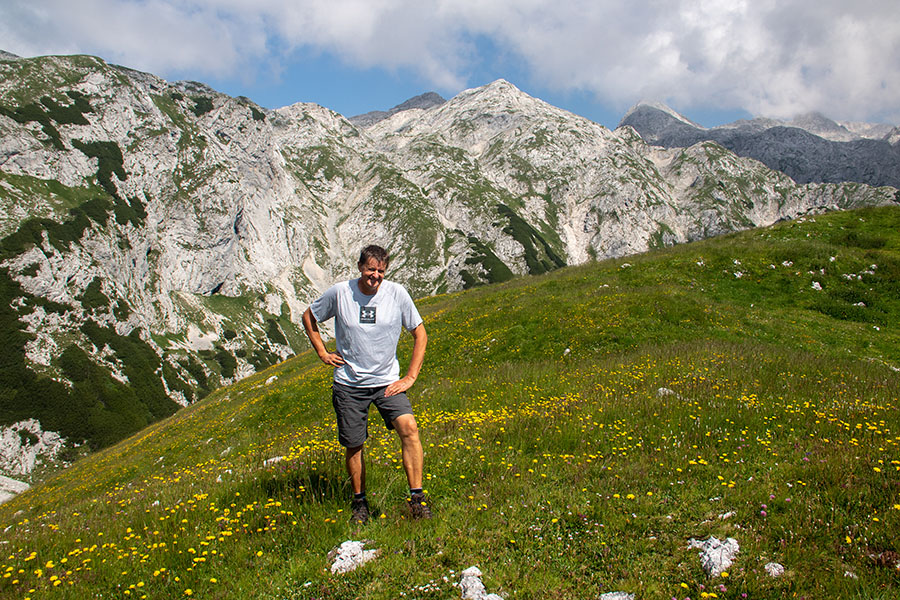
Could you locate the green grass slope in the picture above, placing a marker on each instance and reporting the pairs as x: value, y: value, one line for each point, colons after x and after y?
x: 580, y: 428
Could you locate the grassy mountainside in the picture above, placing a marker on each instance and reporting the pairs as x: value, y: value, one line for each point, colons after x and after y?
x: 580, y: 427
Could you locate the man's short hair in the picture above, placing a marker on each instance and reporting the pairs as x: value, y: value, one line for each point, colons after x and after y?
x: 376, y: 252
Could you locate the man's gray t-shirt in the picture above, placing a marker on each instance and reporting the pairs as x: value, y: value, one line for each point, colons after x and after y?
x: 367, y: 329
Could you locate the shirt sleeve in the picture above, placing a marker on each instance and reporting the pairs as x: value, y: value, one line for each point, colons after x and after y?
x: 409, y: 313
x: 325, y: 307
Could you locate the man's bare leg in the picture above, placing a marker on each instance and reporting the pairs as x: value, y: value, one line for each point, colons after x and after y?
x: 356, y: 469
x: 411, y: 448
x: 413, y: 463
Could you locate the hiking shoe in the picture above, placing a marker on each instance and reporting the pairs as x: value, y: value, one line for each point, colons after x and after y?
x: 359, y: 511
x: 418, y: 507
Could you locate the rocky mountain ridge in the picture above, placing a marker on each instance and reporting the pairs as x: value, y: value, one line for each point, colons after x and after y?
x: 422, y: 101
x: 160, y: 239
x: 809, y: 148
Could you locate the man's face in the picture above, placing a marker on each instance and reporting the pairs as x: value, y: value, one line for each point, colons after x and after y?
x: 371, y: 276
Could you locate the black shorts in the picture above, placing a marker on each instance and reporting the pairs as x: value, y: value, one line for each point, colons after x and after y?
x: 351, y: 405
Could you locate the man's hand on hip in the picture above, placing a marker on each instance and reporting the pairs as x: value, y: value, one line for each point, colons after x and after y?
x: 332, y: 358
x: 399, y: 386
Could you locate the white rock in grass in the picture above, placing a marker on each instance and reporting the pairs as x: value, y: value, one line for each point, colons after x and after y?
x: 470, y: 584
x: 349, y: 556
x: 715, y: 555
x: 9, y: 488
x: 472, y: 588
x: 774, y: 569
x: 617, y: 596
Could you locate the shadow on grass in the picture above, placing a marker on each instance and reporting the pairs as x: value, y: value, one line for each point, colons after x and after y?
x: 296, y: 481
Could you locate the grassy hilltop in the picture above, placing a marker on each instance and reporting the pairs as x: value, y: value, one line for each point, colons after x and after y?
x: 580, y: 427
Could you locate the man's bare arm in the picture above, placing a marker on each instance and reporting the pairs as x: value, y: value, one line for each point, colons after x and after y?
x: 420, y: 340
x: 315, y: 338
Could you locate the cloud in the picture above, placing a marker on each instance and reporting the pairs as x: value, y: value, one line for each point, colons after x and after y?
x: 772, y: 57
x: 769, y: 57
x: 154, y: 35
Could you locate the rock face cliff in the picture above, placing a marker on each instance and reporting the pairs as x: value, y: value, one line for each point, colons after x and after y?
x: 810, y: 148
x: 160, y: 239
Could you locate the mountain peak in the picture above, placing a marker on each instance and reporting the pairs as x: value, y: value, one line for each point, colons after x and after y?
x: 646, y: 105
x: 819, y: 124
x: 500, y: 91
x: 658, y: 124
x: 501, y: 87
x: 423, y: 101
x: 501, y: 84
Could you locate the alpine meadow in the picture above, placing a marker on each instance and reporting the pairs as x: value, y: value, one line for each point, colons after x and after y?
x: 581, y: 428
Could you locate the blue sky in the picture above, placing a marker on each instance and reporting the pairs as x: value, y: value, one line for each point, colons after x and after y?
x: 322, y: 78
x: 712, y: 60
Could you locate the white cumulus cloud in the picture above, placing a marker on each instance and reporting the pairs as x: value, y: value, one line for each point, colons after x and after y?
x: 769, y: 57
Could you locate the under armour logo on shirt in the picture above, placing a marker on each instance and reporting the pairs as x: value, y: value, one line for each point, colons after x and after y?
x: 367, y: 314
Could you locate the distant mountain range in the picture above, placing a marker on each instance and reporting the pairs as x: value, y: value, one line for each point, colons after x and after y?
x: 160, y: 239
x: 810, y: 148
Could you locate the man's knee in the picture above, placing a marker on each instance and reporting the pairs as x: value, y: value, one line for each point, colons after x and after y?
x: 406, y: 427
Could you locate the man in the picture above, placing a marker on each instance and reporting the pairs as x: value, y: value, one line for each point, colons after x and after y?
x: 368, y: 313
